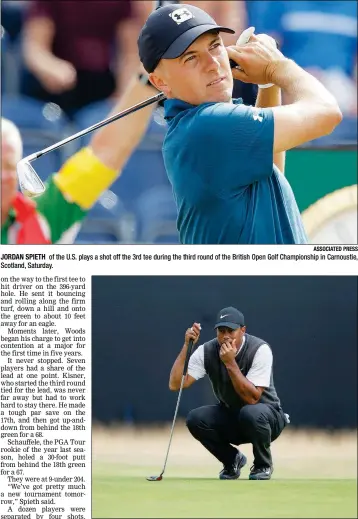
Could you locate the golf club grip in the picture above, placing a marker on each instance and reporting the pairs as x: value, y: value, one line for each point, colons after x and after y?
x: 188, y: 353
x: 233, y: 64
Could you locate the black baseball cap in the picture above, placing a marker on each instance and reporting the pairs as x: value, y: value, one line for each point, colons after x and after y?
x: 230, y: 317
x: 170, y: 30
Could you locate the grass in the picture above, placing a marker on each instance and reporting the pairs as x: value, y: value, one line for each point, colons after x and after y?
x: 118, y: 495
x: 315, y: 479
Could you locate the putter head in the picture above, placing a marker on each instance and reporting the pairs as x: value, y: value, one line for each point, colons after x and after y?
x: 155, y: 478
x: 29, y: 182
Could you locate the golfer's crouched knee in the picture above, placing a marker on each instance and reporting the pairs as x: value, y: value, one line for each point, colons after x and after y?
x: 253, y: 420
x: 199, y: 421
x: 202, y: 421
x: 249, y: 415
x: 193, y: 420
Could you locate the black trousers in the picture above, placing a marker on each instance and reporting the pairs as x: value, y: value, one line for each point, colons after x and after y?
x: 216, y: 427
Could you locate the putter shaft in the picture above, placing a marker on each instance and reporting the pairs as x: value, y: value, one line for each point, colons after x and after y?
x: 185, y: 370
x: 172, y: 429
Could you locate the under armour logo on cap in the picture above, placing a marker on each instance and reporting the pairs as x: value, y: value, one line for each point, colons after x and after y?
x: 181, y: 15
x: 165, y: 35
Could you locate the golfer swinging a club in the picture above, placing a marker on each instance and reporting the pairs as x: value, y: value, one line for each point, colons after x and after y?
x: 225, y: 160
x: 239, y: 367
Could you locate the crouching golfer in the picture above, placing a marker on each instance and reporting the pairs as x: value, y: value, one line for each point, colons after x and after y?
x: 239, y: 366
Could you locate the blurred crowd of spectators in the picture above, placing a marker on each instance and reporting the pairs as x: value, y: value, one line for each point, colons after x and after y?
x: 76, y: 52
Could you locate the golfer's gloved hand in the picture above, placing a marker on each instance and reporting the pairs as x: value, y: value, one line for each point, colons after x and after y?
x: 256, y: 59
x: 193, y: 334
x: 270, y: 42
x: 267, y: 40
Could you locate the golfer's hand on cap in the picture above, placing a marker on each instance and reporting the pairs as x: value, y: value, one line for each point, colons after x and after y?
x: 193, y: 333
x: 228, y: 351
x: 257, y: 59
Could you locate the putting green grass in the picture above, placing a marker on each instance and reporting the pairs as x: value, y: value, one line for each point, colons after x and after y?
x: 315, y: 479
x: 133, y: 496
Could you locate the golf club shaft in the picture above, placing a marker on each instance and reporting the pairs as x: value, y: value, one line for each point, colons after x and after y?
x: 174, y: 419
x: 111, y: 119
x: 186, y: 363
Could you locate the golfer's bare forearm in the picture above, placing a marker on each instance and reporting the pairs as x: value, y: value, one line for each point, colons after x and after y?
x: 113, y: 144
x: 312, y: 99
x: 243, y: 387
x: 299, y: 85
x: 177, y: 370
x: 309, y: 112
x: 267, y: 98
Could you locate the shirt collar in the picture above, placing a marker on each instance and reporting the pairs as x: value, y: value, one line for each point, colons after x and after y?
x: 173, y: 107
x: 243, y: 342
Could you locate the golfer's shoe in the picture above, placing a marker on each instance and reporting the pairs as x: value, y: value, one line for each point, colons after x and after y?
x: 233, y: 471
x: 260, y: 472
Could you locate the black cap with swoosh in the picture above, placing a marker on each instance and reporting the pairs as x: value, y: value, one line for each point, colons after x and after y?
x: 230, y: 317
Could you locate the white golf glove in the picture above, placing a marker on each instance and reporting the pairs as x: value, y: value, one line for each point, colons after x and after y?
x: 245, y: 37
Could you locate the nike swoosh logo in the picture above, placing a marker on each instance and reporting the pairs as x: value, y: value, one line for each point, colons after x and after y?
x: 222, y: 316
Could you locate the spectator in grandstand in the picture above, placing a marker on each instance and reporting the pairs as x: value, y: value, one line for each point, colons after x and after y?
x: 78, y: 52
x: 321, y: 36
x: 55, y: 216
